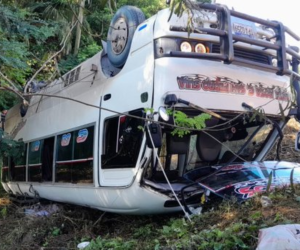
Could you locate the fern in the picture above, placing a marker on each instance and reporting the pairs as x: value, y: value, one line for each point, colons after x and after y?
x: 187, y: 123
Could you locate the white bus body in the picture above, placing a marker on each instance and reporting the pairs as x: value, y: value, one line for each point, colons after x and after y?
x: 93, y: 157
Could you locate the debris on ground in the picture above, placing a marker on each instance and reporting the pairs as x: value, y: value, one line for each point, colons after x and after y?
x: 83, y: 245
x: 265, y: 201
x: 279, y: 237
x: 41, y: 210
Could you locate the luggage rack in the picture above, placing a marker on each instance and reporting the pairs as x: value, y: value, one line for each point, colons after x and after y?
x: 227, y: 40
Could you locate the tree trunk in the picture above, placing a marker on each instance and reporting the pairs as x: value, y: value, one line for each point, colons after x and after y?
x: 78, y: 28
x: 112, y: 5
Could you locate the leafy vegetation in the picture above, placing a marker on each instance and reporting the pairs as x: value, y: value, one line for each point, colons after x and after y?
x: 186, y: 123
x: 10, y: 147
x: 24, y: 38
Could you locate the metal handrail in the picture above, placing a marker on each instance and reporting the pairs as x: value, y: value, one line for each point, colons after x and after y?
x: 227, y: 40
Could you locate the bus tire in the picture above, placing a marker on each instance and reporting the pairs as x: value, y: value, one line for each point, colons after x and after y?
x: 120, y: 34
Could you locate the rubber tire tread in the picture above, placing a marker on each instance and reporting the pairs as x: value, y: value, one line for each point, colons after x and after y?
x: 133, y: 17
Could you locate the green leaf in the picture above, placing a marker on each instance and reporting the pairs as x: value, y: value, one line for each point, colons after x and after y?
x: 187, y: 123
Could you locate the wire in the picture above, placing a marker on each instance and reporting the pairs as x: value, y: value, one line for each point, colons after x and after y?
x: 166, y: 177
x: 137, y: 117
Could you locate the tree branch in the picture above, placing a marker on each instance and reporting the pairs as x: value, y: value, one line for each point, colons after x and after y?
x: 49, y: 59
x: 19, y: 94
x: 9, y: 81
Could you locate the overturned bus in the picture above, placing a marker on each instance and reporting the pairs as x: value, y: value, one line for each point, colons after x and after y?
x: 91, y: 140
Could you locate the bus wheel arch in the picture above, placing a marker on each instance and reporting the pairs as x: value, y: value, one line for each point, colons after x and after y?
x: 120, y: 33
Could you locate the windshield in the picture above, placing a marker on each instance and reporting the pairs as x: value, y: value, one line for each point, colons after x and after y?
x: 227, y: 150
x: 195, y: 154
x: 196, y: 150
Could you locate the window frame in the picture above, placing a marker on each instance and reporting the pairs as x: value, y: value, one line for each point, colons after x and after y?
x: 55, y: 148
x: 72, y: 160
x: 116, y: 146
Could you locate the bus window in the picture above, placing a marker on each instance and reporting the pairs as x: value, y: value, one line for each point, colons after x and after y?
x: 18, y: 166
x: 47, y: 159
x: 34, y: 161
x: 74, y: 162
x: 122, y: 141
x: 83, y: 155
x: 64, y: 158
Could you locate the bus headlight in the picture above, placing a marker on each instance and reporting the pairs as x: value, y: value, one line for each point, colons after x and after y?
x: 186, y: 47
x: 168, y: 46
x: 200, y: 48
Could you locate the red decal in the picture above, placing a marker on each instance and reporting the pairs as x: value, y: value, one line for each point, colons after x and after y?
x: 248, y: 192
x: 227, y: 85
x: 189, y: 83
x: 281, y: 94
x: 250, y: 89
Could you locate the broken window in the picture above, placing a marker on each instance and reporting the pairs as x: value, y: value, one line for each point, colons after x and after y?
x: 234, y: 144
x: 122, y: 140
x: 203, y: 149
x: 75, y: 156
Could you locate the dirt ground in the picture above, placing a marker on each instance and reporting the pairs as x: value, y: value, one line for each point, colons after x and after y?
x: 64, y: 229
x: 72, y: 224
x: 287, y: 149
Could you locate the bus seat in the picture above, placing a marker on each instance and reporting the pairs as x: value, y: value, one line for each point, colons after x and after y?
x: 177, y: 145
x: 207, y: 147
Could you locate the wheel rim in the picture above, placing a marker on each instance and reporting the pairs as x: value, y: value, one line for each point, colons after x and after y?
x: 119, y: 36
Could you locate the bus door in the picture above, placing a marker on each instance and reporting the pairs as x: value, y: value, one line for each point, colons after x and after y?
x: 121, y: 142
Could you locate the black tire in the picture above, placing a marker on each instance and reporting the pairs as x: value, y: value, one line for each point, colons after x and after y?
x: 120, y: 34
x: 139, y: 13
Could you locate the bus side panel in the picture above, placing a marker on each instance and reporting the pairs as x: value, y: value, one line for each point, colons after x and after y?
x: 130, y: 90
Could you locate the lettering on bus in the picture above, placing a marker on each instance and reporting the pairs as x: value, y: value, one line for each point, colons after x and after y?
x: 229, y: 86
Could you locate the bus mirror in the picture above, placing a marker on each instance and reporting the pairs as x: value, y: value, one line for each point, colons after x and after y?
x: 163, y: 114
x: 297, y: 142
x: 153, y: 135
